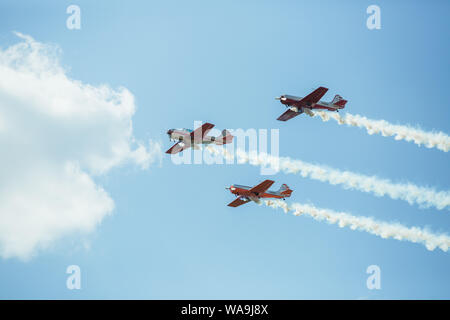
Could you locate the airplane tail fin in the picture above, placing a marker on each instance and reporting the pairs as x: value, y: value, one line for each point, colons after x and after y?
x: 285, y: 191
x: 339, y: 101
x: 225, y: 138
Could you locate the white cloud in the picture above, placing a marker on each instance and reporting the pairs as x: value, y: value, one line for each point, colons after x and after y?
x: 56, y: 134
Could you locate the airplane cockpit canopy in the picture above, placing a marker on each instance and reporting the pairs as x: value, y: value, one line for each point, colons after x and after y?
x: 184, y: 129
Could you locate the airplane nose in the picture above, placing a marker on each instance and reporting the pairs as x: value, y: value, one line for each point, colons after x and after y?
x: 170, y: 131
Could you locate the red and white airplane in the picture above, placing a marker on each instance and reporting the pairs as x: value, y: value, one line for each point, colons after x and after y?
x: 246, y: 194
x: 298, y: 105
x: 187, y: 138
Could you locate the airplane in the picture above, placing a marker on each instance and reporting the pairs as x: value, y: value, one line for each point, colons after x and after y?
x: 187, y: 138
x: 246, y: 194
x: 298, y: 105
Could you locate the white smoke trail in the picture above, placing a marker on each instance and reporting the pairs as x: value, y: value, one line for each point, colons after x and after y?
x: 384, y: 230
x: 437, y: 140
x: 423, y: 196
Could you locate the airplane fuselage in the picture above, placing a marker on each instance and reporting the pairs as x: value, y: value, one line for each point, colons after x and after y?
x: 180, y: 135
x: 295, y: 103
x: 244, y: 191
x: 245, y: 194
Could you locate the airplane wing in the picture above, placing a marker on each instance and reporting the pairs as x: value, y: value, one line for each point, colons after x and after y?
x: 178, y: 147
x: 200, y: 132
x: 262, y: 187
x: 314, y: 96
x: 238, y: 202
x: 289, y: 114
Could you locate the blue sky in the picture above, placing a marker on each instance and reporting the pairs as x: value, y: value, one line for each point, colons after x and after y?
x: 171, y: 234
